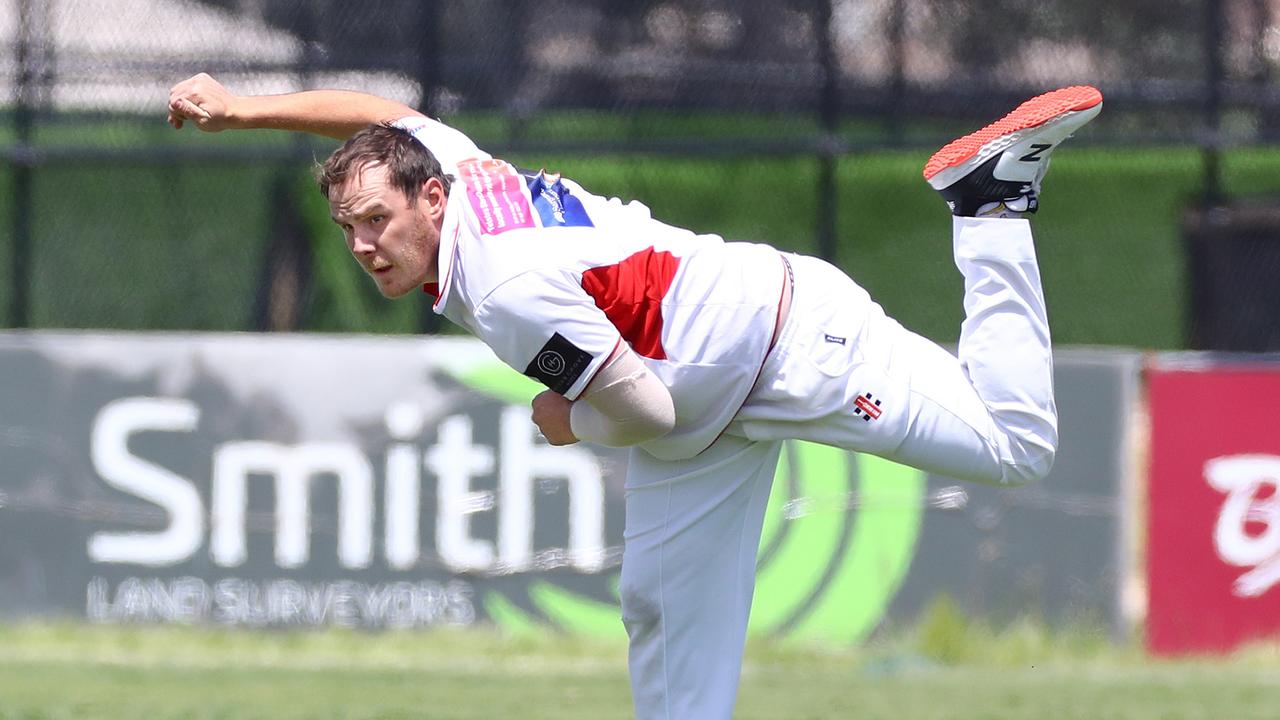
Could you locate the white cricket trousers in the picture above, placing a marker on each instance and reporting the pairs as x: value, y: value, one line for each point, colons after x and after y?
x: 842, y: 373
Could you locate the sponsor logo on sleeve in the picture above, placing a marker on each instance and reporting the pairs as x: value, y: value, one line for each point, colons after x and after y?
x: 554, y: 203
x: 559, y: 364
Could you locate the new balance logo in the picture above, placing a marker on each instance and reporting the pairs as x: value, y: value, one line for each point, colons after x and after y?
x: 867, y: 407
x: 1037, y: 150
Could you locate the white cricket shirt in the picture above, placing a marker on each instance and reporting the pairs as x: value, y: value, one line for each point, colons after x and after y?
x: 552, y: 278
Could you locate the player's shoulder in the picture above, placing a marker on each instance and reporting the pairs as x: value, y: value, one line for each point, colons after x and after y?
x: 448, y: 144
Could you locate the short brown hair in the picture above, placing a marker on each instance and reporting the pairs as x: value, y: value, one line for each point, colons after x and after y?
x: 410, y: 163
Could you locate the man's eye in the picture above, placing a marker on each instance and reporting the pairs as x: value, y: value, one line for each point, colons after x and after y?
x: 377, y: 218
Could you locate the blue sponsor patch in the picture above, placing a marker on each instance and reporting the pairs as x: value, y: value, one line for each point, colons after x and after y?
x: 555, y: 204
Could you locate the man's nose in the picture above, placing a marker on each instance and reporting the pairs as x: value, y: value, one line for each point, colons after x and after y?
x: 362, y: 244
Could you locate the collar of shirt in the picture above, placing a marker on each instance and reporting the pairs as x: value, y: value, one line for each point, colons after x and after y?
x: 449, y: 230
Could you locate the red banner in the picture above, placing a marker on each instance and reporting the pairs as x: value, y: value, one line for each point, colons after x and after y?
x: 1213, y: 547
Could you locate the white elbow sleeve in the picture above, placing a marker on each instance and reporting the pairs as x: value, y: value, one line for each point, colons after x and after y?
x: 625, y: 405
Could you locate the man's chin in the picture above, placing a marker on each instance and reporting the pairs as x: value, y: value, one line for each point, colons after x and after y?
x: 396, y: 284
x: 390, y: 289
x: 392, y: 292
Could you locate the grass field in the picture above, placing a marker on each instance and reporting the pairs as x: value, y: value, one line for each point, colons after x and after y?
x: 72, y: 671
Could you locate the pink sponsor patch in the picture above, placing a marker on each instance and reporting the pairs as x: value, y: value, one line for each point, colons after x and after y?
x: 498, y: 195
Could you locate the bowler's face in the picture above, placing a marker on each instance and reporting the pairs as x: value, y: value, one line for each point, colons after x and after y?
x: 394, y: 240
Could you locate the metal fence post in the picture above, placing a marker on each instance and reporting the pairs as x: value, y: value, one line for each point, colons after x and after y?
x: 20, y: 262
x: 898, y: 77
x: 1262, y: 74
x: 429, y: 71
x: 829, y: 112
x: 1215, y: 20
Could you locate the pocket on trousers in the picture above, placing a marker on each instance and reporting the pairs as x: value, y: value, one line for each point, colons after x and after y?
x: 831, y: 355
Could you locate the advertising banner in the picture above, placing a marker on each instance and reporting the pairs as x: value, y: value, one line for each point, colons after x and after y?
x: 311, y: 481
x: 1060, y: 550
x: 1214, y: 528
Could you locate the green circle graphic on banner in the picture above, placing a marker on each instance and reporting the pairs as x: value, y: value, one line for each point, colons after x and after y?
x: 839, y: 536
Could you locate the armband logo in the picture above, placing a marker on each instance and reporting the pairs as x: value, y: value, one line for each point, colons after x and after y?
x: 559, y: 364
x: 551, y: 362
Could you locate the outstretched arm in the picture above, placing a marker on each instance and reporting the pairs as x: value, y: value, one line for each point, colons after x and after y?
x: 333, y: 113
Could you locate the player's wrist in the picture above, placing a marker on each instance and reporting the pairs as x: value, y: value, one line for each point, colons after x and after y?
x: 243, y: 112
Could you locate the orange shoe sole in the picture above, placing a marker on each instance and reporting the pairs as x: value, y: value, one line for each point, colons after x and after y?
x: 1036, y: 111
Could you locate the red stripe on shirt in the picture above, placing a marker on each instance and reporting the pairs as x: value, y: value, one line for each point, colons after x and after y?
x: 630, y: 293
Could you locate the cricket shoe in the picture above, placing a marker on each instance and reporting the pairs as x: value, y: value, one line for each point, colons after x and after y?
x: 998, y: 169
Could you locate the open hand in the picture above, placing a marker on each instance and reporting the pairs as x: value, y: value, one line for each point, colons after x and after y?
x: 203, y: 101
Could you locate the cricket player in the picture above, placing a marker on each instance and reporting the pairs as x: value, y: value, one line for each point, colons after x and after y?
x: 700, y: 355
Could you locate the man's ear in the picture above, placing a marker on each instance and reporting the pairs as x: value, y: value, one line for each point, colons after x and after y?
x: 434, y: 195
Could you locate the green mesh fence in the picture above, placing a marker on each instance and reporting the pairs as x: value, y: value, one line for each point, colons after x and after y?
x: 723, y: 117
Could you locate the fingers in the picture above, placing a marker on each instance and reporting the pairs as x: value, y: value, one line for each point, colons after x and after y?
x: 182, y: 110
x: 185, y: 100
x: 188, y: 108
x: 551, y: 415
